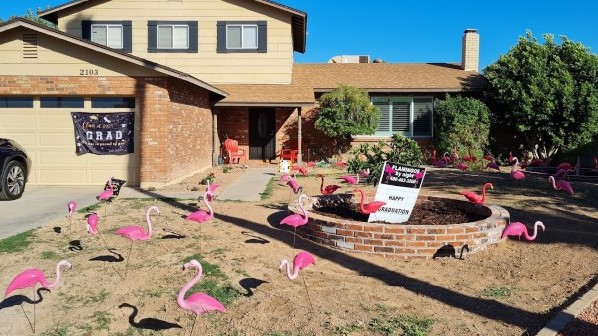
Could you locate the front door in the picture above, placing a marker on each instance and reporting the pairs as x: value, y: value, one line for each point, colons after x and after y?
x: 262, y: 145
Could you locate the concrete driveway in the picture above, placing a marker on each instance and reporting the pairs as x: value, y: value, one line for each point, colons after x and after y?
x: 41, y: 205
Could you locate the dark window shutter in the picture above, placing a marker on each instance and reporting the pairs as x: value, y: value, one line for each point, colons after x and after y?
x: 221, y: 36
x: 193, y: 36
x: 262, y: 36
x: 86, y: 29
x: 152, y: 36
x: 127, y: 37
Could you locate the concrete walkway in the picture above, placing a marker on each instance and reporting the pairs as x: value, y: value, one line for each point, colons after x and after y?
x: 249, y: 186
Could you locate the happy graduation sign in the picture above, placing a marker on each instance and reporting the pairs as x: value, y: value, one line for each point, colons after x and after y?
x: 104, y: 133
x: 399, y: 187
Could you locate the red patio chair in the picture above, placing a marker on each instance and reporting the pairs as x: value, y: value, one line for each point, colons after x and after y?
x: 233, y: 152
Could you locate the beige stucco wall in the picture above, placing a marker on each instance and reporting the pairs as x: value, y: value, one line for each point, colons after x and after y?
x: 273, y: 67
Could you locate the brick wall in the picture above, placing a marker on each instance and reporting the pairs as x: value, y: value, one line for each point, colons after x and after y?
x: 176, y: 121
x: 403, y: 241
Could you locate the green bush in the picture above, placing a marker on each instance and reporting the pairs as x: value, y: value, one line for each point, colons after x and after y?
x: 401, y: 150
x: 461, y: 122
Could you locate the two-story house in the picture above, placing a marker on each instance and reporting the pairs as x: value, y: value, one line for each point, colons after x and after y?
x: 186, y: 74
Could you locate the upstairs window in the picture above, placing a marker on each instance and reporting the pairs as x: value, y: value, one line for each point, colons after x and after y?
x: 242, y: 36
x: 409, y: 116
x: 172, y: 36
x: 113, y: 34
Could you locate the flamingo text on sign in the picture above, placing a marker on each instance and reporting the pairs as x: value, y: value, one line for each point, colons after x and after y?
x: 399, y: 188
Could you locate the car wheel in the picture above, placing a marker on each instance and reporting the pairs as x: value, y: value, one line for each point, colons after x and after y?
x: 13, y: 181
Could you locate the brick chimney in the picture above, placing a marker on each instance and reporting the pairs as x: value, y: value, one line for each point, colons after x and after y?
x: 470, y: 56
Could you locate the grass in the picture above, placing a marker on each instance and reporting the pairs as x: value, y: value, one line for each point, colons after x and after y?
x: 268, y: 190
x: 498, y: 291
x: 49, y: 255
x: 213, y: 282
x: 410, y: 325
x: 92, y: 208
x: 16, y: 243
x: 57, y: 331
x: 97, y: 298
x: 102, y: 319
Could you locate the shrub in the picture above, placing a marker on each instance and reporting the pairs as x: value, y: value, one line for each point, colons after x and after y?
x: 401, y: 150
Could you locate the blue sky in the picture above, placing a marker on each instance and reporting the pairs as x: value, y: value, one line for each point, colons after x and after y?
x: 410, y: 31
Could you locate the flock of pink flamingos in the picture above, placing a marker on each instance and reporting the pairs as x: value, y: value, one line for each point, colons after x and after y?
x: 199, y: 303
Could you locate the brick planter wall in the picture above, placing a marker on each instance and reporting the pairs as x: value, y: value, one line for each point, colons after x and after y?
x: 408, y: 241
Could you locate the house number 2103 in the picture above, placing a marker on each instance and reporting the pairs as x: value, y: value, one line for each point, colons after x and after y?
x: 89, y: 72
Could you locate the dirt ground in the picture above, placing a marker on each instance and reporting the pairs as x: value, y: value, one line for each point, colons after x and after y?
x: 511, y: 289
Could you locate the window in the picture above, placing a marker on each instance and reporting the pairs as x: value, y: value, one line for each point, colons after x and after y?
x: 108, y: 35
x: 409, y: 116
x: 16, y: 102
x: 172, y: 36
x: 113, y: 102
x: 61, y: 102
x: 242, y: 36
x: 113, y: 34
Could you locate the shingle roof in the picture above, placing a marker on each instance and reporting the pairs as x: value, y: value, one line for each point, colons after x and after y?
x: 372, y: 77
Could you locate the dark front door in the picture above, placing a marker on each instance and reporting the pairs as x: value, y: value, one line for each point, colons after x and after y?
x: 262, y: 145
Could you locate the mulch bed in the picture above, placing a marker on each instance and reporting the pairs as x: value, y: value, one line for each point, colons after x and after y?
x: 424, y: 213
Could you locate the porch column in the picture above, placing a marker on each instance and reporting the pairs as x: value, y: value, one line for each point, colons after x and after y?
x: 215, y: 139
x: 299, y: 137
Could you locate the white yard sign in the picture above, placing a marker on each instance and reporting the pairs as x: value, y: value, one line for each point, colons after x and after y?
x: 399, y: 187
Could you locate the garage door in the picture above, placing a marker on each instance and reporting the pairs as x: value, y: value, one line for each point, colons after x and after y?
x: 47, y: 134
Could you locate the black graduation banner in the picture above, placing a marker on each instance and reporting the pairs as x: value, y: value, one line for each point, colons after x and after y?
x: 104, y: 133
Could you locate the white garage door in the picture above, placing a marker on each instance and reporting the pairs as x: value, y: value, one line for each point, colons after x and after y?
x: 47, y: 134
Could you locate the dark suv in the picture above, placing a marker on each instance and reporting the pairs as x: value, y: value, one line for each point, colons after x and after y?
x: 14, y: 169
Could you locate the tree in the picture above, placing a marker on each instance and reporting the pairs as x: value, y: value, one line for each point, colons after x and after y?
x: 31, y: 16
x: 461, y: 121
x: 546, y: 93
x: 344, y: 112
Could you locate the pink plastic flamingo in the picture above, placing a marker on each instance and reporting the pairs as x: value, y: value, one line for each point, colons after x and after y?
x: 350, y: 179
x: 516, y: 173
x: 561, y: 185
x: 364, y: 173
x: 72, y: 206
x: 201, y: 215
x: 301, y: 261
x: 107, y: 194
x: 92, y: 224
x: 475, y: 198
x: 329, y: 189
x: 198, y: 303
x: 462, y: 166
x: 296, y: 220
x: 493, y: 165
x: 368, y: 208
x: 518, y: 229
x: 295, y: 186
x: 30, y: 278
x: 137, y: 232
x: 418, y: 176
x: 212, y: 189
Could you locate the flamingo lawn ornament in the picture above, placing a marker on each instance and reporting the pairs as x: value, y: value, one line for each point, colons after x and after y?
x: 418, y: 176
x: 296, y: 220
x: 137, y: 232
x: 443, y: 161
x: 92, y: 227
x: 212, y: 189
x: 475, y: 198
x: 197, y: 303
x: 561, y: 185
x: 536, y: 163
x: 30, y: 278
x: 329, y: 189
x: 300, y: 262
x: 493, y: 165
x: 72, y: 206
x: 564, y: 165
x: 294, y: 186
x: 596, y: 164
x: 364, y: 173
x: 201, y: 216
x: 561, y: 174
x: 301, y: 169
x: 510, y: 159
x: 462, y: 166
x: 518, y: 229
x: 107, y: 194
x: 370, y: 207
x: 516, y: 173
x: 350, y: 179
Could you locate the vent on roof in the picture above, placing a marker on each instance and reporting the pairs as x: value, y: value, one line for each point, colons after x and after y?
x: 30, y: 45
x: 350, y: 59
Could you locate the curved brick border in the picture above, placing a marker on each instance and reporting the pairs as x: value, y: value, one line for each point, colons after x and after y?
x: 406, y: 241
